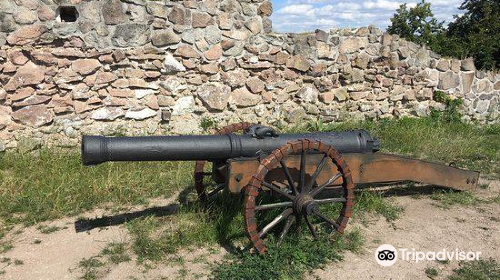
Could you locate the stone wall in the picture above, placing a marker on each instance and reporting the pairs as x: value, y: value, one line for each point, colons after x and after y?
x: 110, y: 67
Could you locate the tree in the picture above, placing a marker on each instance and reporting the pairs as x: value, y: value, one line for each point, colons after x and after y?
x: 416, y: 24
x: 475, y: 34
x: 478, y: 32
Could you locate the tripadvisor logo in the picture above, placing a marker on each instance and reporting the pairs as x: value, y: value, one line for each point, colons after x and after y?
x: 387, y: 255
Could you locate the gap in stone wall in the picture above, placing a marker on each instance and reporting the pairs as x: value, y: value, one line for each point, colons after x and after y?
x: 67, y: 14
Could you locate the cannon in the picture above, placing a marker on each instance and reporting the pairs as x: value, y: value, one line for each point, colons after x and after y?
x: 287, y: 180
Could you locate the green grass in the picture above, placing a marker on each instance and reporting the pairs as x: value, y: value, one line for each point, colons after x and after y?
x: 90, y: 268
x: 6, y: 246
x: 48, y: 229
x: 470, y: 146
x: 374, y: 202
x: 431, y: 272
x: 290, y: 261
x: 477, y: 270
x: 448, y: 198
x: 45, y: 185
x: 50, y: 184
x: 8, y: 261
x: 155, y: 239
x: 116, y: 252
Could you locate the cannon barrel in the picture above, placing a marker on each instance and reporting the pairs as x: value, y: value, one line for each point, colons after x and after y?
x: 99, y: 149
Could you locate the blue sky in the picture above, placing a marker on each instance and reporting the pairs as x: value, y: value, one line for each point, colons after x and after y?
x: 307, y: 15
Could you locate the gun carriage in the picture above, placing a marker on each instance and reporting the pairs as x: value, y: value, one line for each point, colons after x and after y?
x: 292, y: 175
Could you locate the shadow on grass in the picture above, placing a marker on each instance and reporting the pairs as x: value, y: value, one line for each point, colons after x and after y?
x: 402, y: 189
x: 83, y: 225
x: 226, y: 207
x: 107, y: 221
x: 221, y: 212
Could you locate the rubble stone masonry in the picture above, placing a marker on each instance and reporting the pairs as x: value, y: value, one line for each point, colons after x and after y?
x: 135, y: 67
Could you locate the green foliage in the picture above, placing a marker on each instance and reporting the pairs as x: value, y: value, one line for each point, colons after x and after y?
x: 452, y: 111
x: 477, y: 270
x: 475, y: 34
x: 208, y: 123
x: 154, y: 239
x: 416, y: 24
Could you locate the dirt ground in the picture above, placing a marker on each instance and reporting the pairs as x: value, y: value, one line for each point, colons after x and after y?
x: 423, y: 226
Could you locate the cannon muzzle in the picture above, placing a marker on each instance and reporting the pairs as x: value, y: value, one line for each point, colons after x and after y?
x: 99, y: 149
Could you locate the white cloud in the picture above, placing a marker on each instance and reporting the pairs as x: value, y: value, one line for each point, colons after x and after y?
x: 295, y: 9
x: 307, y: 15
x: 445, y: 3
x: 348, y: 6
x: 382, y: 4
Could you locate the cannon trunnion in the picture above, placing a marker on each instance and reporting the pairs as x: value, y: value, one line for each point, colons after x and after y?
x: 288, y: 179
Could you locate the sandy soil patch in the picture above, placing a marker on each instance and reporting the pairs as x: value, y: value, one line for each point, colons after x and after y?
x: 423, y: 226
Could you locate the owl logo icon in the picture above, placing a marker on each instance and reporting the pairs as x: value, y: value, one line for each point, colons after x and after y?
x: 386, y: 255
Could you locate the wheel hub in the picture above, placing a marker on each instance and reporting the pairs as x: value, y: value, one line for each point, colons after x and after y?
x: 304, y: 204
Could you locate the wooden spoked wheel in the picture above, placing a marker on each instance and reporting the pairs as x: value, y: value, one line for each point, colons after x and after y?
x: 204, y: 184
x: 275, y: 206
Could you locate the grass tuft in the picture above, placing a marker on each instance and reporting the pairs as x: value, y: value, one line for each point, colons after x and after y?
x: 374, y: 202
x: 48, y: 230
x: 90, y: 268
x: 477, y: 270
x: 431, y: 272
x: 116, y: 252
x: 155, y: 238
x: 6, y: 246
x: 449, y: 198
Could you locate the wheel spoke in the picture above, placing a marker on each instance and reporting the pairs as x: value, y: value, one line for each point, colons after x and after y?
x: 315, y: 174
x: 289, y: 177
x: 276, y: 221
x: 324, y: 218
x: 317, y: 190
x: 298, y: 221
x: 219, y: 188
x: 278, y: 190
x: 274, y: 205
x: 302, y: 171
x: 329, y: 200
x: 289, y: 221
x: 311, y: 227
